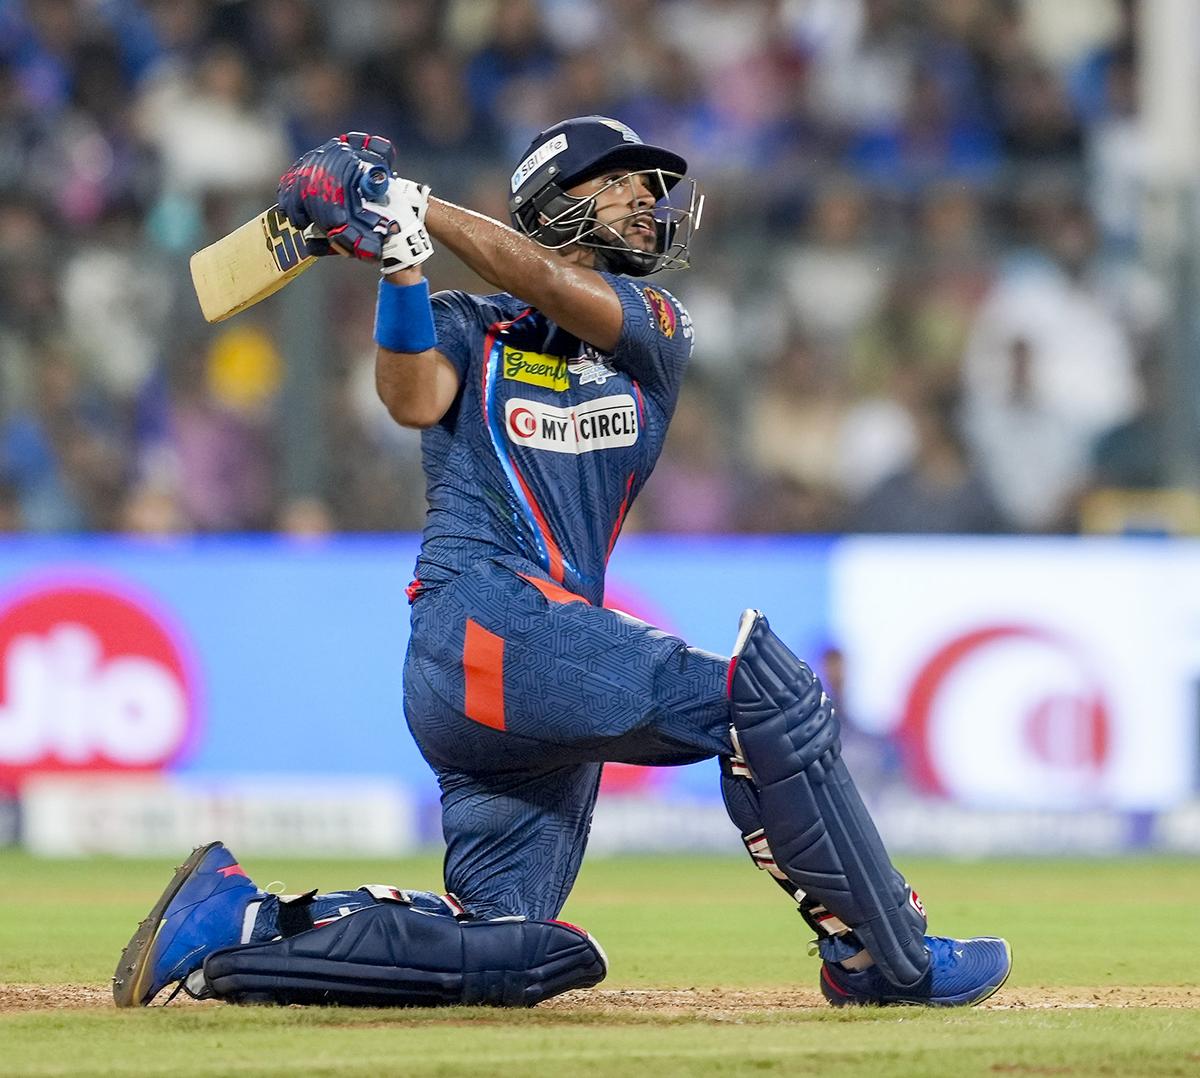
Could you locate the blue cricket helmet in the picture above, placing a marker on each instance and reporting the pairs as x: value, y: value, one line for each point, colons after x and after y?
x: 579, y: 149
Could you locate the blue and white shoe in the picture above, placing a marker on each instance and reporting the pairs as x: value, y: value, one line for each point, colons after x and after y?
x: 202, y: 909
x: 961, y: 974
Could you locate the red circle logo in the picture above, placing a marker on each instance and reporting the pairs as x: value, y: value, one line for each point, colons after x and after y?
x: 90, y: 680
x: 1057, y: 716
x: 522, y: 423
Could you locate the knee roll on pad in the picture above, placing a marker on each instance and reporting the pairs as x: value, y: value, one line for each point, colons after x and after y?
x: 394, y: 955
x: 820, y: 833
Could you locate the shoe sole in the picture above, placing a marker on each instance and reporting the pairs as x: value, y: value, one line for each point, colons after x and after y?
x: 923, y: 1003
x: 133, y: 969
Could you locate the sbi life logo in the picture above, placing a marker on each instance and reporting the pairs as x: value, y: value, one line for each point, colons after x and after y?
x: 90, y: 680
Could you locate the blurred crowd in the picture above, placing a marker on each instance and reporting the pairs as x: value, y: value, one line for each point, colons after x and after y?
x: 919, y: 294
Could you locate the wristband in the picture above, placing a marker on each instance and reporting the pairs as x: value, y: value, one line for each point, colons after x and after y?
x: 403, y: 317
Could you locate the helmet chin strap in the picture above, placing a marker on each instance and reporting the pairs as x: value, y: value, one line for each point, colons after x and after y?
x: 631, y: 263
x: 625, y: 259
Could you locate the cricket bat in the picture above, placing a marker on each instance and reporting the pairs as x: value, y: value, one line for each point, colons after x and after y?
x: 259, y: 258
x: 248, y: 265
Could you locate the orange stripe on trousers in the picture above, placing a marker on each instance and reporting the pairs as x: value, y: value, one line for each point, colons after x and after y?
x: 483, y: 667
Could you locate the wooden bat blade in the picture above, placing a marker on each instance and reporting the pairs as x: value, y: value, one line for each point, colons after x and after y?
x: 248, y: 265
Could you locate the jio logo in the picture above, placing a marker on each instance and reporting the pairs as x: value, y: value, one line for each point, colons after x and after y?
x: 1009, y: 714
x: 522, y: 423
x: 90, y: 679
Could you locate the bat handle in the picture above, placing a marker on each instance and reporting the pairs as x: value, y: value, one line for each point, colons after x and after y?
x: 374, y: 183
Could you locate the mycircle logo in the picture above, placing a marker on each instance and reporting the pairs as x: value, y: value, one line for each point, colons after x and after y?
x: 522, y: 423
x: 1008, y: 707
x: 90, y: 680
x: 600, y: 423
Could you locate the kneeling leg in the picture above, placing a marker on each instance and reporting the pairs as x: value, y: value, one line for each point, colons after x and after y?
x: 407, y: 949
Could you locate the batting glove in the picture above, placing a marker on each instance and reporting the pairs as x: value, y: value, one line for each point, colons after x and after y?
x: 403, y: 208
x: 324, y: 189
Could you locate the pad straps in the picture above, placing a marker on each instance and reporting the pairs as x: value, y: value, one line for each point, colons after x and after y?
x: 295, y: 913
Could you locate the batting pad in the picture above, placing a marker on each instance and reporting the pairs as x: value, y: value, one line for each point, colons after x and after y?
x: 819, y: 830
x: 394, y: 955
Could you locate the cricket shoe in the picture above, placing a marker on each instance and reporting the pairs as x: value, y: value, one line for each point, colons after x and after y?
x: 202, y: 909
x: 961, y: 974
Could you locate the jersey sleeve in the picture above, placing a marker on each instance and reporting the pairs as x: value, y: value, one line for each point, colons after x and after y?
x: 455, y: 323
x: 656, y: 335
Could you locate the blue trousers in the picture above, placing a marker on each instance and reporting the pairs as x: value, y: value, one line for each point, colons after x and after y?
x: 517, y: 692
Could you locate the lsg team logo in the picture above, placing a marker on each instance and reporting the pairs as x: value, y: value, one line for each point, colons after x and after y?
x: 663, y: 311
x: 1009, y: 713
x: 90, y: 680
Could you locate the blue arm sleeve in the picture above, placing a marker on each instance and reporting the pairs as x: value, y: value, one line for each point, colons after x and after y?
x: 656, y: 336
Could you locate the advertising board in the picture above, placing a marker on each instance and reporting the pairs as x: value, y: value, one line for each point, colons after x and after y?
x: 996, y: 695
x: 1024, y: 675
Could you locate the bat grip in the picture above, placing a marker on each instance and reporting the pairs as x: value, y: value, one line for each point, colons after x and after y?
x: 374, y: 183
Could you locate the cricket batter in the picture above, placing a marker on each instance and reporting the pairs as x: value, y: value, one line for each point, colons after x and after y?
x: 544, y: 408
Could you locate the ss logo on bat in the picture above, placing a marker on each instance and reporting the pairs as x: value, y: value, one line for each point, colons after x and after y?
x: 285, y: 243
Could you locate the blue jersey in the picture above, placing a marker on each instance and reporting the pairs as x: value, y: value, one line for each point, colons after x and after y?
x: 549, y: 440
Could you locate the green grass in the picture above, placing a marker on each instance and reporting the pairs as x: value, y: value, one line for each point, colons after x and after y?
x: 683, y: 923
x: 883, y: 1045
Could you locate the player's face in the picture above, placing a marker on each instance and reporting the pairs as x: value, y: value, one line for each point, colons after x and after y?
x: 624, y: 201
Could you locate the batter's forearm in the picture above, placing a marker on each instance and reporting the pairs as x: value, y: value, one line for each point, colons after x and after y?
x: 499, y: 254
x: 575, y: 297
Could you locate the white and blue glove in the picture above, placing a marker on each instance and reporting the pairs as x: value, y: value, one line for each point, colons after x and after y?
x: 403, y: 206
